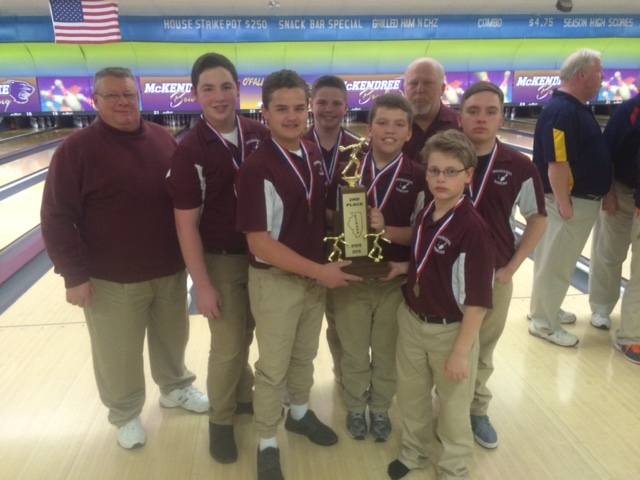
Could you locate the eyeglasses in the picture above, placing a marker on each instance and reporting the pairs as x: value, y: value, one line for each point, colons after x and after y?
x: 114, y: 97
x: 447, y: 172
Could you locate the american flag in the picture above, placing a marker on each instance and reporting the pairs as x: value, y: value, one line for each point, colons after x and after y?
x: 85, y: 21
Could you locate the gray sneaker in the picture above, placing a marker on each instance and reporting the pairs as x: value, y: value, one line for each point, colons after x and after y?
x: 380, y: 426
x: 601, y: 321
x: 483, y: 432
x: 560, y: 337
x: 356, y: 425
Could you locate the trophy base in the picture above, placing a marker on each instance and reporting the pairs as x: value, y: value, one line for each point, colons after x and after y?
x: 367, y: 268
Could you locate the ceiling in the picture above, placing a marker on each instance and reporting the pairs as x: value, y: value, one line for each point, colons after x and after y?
x: 337, y: 7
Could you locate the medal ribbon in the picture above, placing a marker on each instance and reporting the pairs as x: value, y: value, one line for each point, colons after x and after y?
x: 236, y: 161
x: 376, y: 178
x: 305, y: 156
x: 476, y: 197
x: 421, y: 264
x: 334, y: 158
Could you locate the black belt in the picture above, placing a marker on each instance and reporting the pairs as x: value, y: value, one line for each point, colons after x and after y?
x: 595, y: 198
x: 433, y: 318
x: 228, y: 251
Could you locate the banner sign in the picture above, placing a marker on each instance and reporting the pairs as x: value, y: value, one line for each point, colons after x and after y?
x: 167, y: 95
x: 533, y: 87
x: 619, y: 85
x: 329, y: 28
x: 18, y: 96
x: 341, y: 28
x: 65, y: 95
x: 362, y: 90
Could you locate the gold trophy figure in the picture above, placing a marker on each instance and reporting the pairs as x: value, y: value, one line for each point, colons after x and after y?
x: 336, y: 251
x: 354, y: 162
x: 376, y: 252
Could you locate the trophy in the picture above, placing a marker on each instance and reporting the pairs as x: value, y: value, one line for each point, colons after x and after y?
x: 354, y: 241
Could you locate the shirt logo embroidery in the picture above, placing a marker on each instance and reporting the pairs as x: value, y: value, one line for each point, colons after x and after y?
x: 441, y: 244
x: 403, y: 185
x: 501, y: 177
x: 252, y: 145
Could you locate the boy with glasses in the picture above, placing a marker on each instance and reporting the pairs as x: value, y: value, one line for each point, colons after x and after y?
x: 448, y: 290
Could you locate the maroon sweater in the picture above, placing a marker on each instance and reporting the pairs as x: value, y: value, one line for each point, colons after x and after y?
x: 105, y: 210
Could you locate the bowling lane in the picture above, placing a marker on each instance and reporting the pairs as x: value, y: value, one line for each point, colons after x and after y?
x: 20, y: 213
x: 525, y: 125
x: 517, y: 140
x: 9, y: 134
x: 30, y: 141
x: 22, y: 167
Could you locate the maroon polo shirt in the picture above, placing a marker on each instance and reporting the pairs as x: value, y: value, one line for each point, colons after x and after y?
x: 203, y: 173
x: 405, y: 200
x: 446, y: 119
x: 459, y: 270
x: 513, y: 181
x: 272, y: 198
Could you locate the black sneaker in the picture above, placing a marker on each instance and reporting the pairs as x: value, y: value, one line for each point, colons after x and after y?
x: 397, y: 470
x: 222, y: 444
x: 269, y: 464
x: 312, y: 428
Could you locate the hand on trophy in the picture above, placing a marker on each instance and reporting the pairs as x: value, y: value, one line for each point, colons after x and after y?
x: 331, y: 276
x: 376, y: 219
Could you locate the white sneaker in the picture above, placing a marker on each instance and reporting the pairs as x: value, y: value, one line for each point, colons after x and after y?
x: 601, y: 321
x: 560, y: 337
x: 189, y: 398
x: 566, y: 318
x: 132, y: 434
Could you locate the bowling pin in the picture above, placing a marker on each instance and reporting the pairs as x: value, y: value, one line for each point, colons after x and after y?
x: 70, y: 99
x: 504, y: 86
x: 623, y: 89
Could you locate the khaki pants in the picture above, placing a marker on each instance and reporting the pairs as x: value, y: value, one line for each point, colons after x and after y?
x: 629, y: 332
x: 611, y: 239
x: 609, y: 246
x: 555, y: 259
x: 288, y: 310
x: 422, y: 353
x: 366, y: 319
x: 490, y: 332
x: 117, y: 320
x: 229, y: 375
x: 333, y: 340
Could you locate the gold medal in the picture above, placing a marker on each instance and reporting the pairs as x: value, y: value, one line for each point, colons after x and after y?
x: 416, y: 290
x: 310, y: 217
